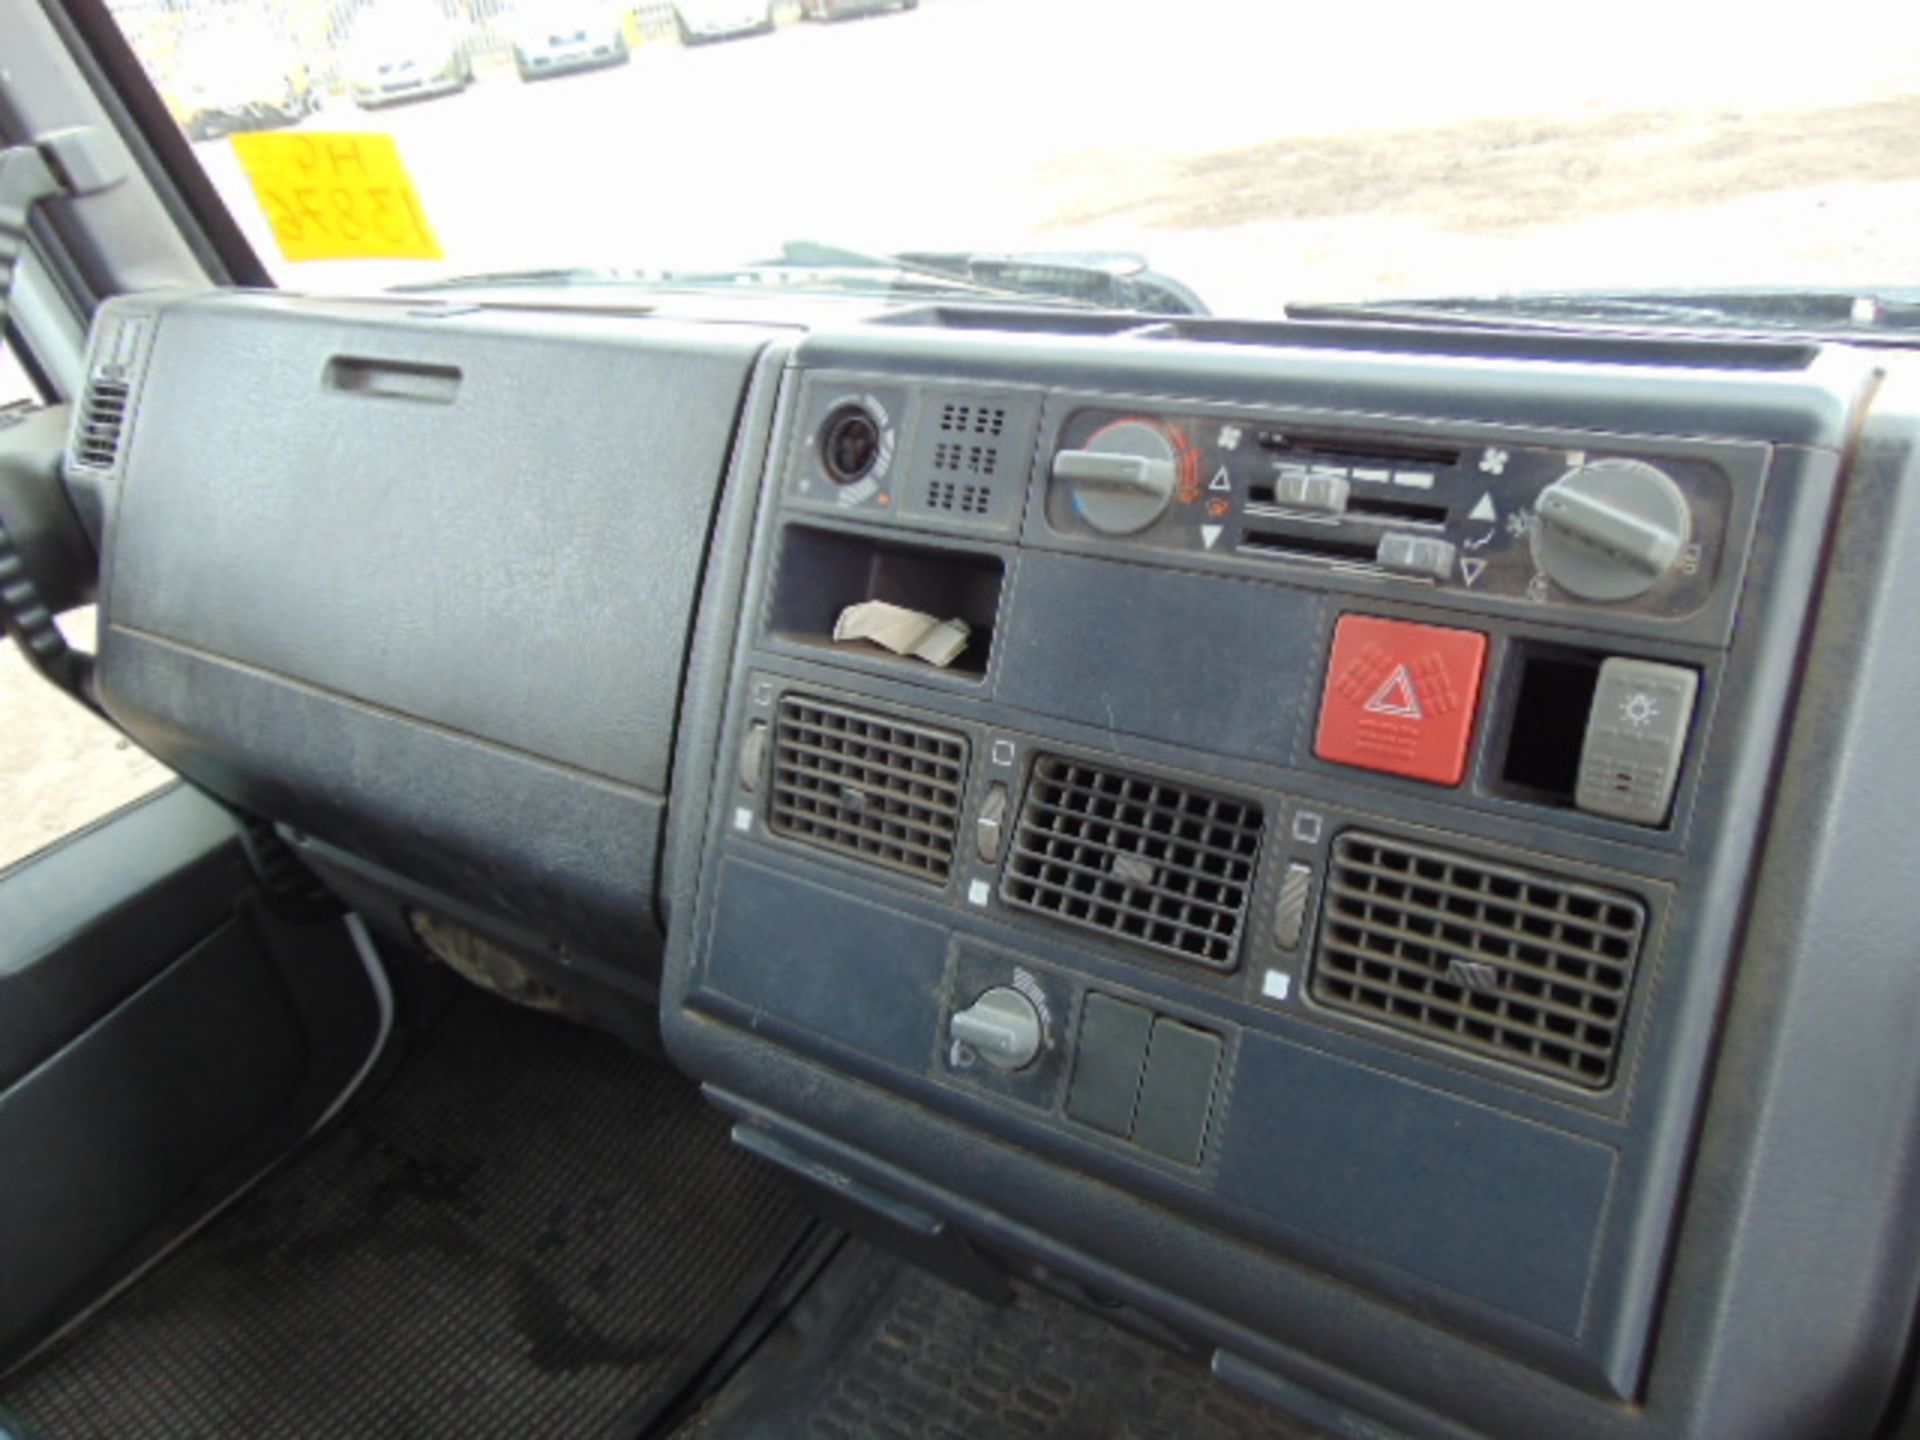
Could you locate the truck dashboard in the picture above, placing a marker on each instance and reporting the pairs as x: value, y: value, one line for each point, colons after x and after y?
x: 1376, y: 854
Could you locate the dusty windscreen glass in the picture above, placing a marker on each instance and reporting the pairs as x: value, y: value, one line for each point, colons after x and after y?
x: 1256, y: 152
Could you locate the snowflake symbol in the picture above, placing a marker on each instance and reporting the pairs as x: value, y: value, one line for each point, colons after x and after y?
x: 1519, y: 523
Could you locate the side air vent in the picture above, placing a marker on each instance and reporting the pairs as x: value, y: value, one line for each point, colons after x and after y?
x: 867, y: 785
x: 103, y: 418
x: 1160, y: 864
x: 1512, y: 964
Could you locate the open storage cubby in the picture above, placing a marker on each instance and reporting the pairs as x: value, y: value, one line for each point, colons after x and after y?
x: 822, y: 571
x: 1549, y: 695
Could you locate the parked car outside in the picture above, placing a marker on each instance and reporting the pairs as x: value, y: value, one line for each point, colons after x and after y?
x: 699, y: 20
x: 238, y: 73
x: 842, y: 9
x: 553, y: 39
x: 406, y: 53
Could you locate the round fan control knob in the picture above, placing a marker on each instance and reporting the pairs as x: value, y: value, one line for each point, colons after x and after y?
x: 1003, y: 1027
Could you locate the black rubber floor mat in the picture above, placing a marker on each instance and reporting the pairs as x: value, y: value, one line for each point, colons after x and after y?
x: 881, y: 1351
x: 532, y: 1231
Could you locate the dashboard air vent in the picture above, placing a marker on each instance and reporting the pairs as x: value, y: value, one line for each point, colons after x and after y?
x: 1161, y: 864
x: 867, y: 785
x: 1527, y: 968
x: 103, y: 418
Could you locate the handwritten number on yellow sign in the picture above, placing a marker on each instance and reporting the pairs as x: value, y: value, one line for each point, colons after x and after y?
x: 337, y: 197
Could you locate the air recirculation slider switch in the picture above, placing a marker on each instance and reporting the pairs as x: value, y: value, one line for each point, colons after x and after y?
x: 990, y: 828
x: 1002, y: 1027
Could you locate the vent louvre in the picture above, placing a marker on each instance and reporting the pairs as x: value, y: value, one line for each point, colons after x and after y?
x: 1512, y: 964
x: 866, y: 785
x: 103, y: 418
x: 1163, y: 865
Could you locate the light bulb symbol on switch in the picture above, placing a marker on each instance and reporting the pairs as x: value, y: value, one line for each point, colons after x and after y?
x: 1639, y: 709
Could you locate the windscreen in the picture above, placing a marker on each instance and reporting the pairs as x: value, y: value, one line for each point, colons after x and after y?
x: 1248, y: 154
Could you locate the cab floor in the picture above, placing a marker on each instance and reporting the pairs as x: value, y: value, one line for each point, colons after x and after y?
x: 879, y: 1350
x: 535, y: 1231
x: 531, y: 1231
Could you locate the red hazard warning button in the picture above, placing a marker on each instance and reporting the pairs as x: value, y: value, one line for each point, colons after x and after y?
x: 1401, y: 698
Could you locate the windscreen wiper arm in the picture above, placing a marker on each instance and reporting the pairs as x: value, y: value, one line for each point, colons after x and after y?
x: 1822, y: 311
x: 1098, y: 279
x: 862, y: 277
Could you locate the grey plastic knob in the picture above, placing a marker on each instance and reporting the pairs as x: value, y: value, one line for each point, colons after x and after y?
x: 1002, y: 1026
x: 1124, y: 479
x: 1611, y: 529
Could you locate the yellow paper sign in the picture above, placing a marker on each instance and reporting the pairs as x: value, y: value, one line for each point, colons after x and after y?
x: 342, y: 196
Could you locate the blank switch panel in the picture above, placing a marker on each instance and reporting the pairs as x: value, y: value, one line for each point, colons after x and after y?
x: 1108, y: 1062
x: 1177, y: 1095
x: 1144, y: 1077
x: 1636, y: 737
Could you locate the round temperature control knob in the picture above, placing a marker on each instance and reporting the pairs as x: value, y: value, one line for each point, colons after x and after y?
x: 1003, y: 1028
x: 1610, y: 529
x: 1124, y: 477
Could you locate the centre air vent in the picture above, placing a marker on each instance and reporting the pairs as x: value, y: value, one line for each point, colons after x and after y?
x: 1507, y: 963
x: 867, y: 785
x: 1157, y: 863
x: 102, y: 419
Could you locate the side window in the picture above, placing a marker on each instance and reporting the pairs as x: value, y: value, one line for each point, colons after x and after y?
x: 61, y: 767
x: 16, y: 385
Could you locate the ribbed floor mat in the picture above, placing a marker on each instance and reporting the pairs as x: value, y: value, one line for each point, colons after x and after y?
x: 880, y: 1351
x: 532, y: 1232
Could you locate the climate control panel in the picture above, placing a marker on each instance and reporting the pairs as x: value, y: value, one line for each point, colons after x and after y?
x: 1546, y: 524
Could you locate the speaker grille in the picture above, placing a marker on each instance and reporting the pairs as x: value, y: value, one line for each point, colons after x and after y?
x: 956, y: 458
x: 959, y: 417
x: 956, y: 499
x: 103, y: 417
x: 1156, y: 863
x: 1512, y: 964
x: 867, y: 785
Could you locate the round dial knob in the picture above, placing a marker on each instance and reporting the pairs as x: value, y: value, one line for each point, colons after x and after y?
x: 1002, y: 1026
x: 1611, y: 529
x: 850, y: 444
x: 1123, y: 479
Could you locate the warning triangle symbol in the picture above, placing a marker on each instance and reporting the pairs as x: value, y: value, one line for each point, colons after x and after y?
x: 1221, y: 480
x: 1484, y: 510
x: 1396, y: 697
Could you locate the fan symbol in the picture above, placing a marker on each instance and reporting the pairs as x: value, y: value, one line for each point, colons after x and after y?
x: 1639, y: 710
